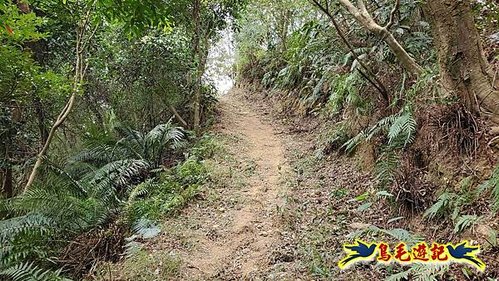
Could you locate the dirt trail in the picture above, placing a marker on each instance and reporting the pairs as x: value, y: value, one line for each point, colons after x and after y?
x: 235, y: 240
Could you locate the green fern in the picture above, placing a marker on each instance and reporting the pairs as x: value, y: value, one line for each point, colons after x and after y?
x: 452, y: 204
x: 403, y: 129
x: 140, y: 190
x: 386, y: 165
x: 398, y: 234
x: 86, y: 194
x: 464, y: 222
x: 151, y: 146
x: 491, y: 185
x: 440, y: 207
x: 400, y: 276
x: 352, y: 143
x: 31, y: 272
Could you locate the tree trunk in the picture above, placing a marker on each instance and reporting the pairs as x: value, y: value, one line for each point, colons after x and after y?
x: 463, y: 67
x: 7, y: 181
x: 7, y: 185
x: 78, y: 80
x: 196, y: 10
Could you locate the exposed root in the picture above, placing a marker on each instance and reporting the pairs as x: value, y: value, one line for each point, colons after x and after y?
x: 494, y: 141
x: 90, y: 248
x: 410, y: 185
x: 460, y: 128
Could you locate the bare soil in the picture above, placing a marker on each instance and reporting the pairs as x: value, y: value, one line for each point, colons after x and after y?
x: 246, y: 240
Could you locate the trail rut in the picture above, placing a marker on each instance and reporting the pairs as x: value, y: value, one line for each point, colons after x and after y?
x: 236, y: 242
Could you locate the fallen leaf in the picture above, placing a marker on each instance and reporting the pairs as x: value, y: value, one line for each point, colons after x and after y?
x: 9, y: 29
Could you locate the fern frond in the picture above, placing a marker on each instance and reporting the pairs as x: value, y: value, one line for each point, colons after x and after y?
x: 118, y: 173
x: 400, y: 276
x: 398, y: 233
x: 420, y: 272
x: 11, y: 228
x: 493, y: 182
x: 162, y: 137
x: 102, y: 153
x: 146, y: 228
x: 464, y: 222
x: 403, y: 128
x: 31, y: 272
x: 441, y: 206
x: 352, y: 144
x: 402, y: 235
x: 141, y: 190
x: 386, y: 166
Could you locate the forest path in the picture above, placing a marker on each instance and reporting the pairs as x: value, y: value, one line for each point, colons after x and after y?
x: 231, y: 234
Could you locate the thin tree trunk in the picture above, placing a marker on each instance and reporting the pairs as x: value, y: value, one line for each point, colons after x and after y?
x: 368, y: 74
x: 196, y: 10
x: 463, y: 67
x: 40, y: 114
x: 177, y: 115
x: 78, y: 79
x: 7, y: 185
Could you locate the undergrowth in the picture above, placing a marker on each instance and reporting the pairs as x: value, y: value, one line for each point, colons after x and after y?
x: 119, y: 186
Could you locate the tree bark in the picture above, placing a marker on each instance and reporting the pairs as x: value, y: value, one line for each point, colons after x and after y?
x: 463, y: 67
x: 40, y: 113
x: 367, y: 73
x: 179, y: 118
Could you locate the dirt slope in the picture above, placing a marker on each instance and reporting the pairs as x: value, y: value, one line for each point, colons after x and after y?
x: 250, y: 232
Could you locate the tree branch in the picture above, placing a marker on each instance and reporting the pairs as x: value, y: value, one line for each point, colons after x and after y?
x: 364, y: 18
x: 392, y: 15
x: 376, y: 83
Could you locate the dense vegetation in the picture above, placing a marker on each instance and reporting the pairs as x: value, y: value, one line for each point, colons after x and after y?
x: 105, y: 106
x: 396, y: 84
x: 326, y: 62
x: 105, y: 100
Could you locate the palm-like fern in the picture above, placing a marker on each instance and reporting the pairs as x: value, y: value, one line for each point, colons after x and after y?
x: 73, y: 200
x: 403, y: 129
x: 441, y: 206
x: 452, y: 204
x: 465, y: 221
x: 150, y: 147
x: 420, y: 272
x: 398, y: 234
x: 31, y: 272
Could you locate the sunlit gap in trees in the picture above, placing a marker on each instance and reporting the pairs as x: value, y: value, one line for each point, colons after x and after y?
x: 220, y: 62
